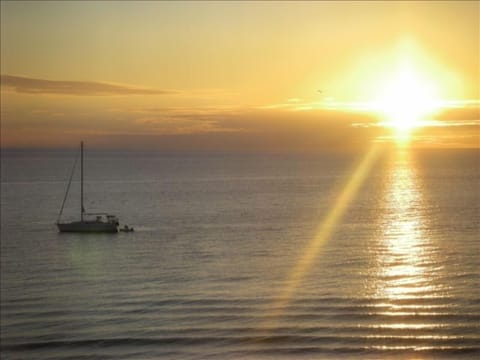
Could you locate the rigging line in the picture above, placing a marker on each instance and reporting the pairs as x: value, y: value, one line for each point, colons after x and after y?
x: 68, y: 187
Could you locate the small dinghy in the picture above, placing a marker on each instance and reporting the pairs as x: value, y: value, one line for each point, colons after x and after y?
x: 126, y: 229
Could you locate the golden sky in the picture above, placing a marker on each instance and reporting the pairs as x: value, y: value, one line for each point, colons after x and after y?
x: 239, y: 76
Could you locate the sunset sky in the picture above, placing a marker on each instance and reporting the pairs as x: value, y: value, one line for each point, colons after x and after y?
x: 239, y: 76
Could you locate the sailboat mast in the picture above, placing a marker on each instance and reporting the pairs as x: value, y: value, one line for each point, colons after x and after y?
x: 81, y: 181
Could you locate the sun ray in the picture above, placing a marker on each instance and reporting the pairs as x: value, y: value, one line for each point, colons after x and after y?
x: 327, y: 226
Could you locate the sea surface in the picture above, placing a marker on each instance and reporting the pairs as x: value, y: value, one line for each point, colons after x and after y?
x: 243, y: 256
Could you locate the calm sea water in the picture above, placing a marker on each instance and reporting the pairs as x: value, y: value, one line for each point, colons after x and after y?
x: 230, y: 258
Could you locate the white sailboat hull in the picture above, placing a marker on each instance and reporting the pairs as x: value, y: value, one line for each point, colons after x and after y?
x: 88, y: 227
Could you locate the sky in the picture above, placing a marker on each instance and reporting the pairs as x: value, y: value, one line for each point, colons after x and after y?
x: 239, y: 76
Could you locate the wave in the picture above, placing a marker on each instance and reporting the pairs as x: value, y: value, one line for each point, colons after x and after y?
x: 256, y: 346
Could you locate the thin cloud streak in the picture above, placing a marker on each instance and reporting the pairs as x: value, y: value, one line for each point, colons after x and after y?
x: 224, y: 127
x: 27, y: 85
x: 189, y: 129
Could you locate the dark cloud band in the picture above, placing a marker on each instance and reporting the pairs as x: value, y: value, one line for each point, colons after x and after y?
x: 28, y: 85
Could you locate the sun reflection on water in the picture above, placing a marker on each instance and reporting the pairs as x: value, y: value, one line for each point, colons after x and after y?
x: 404, y: 263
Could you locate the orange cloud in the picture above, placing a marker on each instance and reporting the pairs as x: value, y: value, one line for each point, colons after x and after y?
x: 216, y: 127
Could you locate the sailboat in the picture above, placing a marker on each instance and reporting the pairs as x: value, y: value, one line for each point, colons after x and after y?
x: 89, y: 222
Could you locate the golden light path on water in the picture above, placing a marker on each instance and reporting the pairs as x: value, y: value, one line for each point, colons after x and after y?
x: 405, y: 264
x: 403, y: 259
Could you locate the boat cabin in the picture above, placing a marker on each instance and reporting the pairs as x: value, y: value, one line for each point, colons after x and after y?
x: 103, y: 218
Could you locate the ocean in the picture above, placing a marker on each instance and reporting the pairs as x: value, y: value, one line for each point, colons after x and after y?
x: 243, y: 256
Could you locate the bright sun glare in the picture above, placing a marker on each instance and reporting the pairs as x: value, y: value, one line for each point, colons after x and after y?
x: 406, y: 99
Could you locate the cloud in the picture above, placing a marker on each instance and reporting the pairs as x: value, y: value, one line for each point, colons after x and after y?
x: 28, y: 85
x: 211, y: 128
x: 219, y: 127
x: 466, y: 113
x: 257, y: 130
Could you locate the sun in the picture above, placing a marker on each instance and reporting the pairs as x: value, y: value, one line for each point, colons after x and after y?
x: 406, y: 99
